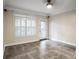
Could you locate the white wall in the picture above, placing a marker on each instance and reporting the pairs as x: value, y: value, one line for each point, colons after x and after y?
x: 62, y: 27
x: 9, y: 37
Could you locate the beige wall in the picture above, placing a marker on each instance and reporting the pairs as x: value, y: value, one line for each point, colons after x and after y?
x: 62, y: 27
x: 9, y: 37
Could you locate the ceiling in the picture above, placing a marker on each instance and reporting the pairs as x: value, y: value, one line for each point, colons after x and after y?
x: 59, y: 6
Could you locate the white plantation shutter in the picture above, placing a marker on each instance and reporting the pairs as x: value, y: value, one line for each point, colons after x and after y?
x: 24, y: 25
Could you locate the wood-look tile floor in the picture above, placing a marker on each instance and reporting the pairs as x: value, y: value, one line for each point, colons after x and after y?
x: 46, y: 49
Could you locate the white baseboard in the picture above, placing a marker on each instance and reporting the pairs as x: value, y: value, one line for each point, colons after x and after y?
x: 13, y: 43
x: 66, y: 42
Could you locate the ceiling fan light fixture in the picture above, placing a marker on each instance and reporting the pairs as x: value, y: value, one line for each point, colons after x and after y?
x: 49, y: 5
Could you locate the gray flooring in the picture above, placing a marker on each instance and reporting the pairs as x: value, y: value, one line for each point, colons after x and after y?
x: 46, y: 49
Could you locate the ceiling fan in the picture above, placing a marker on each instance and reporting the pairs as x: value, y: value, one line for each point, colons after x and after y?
x: 49, y: 3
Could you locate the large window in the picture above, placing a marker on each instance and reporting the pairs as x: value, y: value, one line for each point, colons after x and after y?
x: 24, y: 25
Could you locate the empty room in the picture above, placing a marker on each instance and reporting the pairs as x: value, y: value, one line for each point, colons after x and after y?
x: 39, y: 29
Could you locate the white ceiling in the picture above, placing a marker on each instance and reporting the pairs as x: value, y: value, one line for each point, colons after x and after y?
x: 40, y: 5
